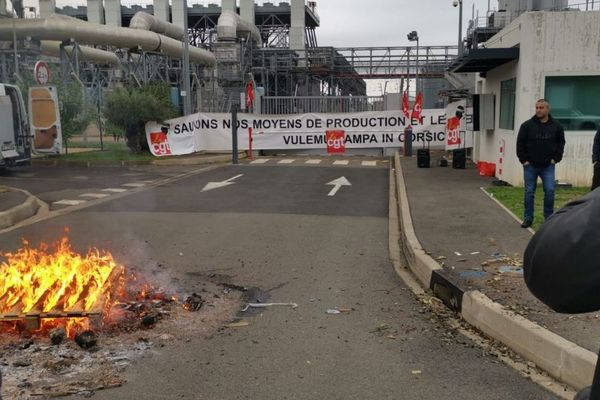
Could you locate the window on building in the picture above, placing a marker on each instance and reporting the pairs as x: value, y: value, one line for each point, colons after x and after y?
x: 575, y: 101
x: 507, y: 103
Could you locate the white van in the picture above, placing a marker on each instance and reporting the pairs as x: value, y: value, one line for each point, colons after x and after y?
x: 15, y: 143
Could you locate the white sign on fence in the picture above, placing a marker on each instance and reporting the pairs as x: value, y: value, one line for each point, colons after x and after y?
x: 212, y: 132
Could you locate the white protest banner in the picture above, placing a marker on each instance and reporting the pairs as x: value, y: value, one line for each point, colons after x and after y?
x: 457, y: 117
x: 212, y: 131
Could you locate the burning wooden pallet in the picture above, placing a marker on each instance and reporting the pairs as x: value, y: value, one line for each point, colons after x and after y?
x: 33, y: 318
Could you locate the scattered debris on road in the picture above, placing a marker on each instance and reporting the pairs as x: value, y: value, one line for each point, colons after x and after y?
x: 265, y: 305
x: 239, y: 324
x: 193, y: 302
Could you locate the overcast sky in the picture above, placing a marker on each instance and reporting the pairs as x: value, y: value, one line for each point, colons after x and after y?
x: 373, y: 22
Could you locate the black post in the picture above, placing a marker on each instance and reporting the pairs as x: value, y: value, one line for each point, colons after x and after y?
x: 408, y: 142
x: 234, y: 134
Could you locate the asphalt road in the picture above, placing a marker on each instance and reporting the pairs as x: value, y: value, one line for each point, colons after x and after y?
x: 277, y: 229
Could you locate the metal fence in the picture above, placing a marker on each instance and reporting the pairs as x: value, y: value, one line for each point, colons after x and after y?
x: 499, y: 19
x: 320, y: 104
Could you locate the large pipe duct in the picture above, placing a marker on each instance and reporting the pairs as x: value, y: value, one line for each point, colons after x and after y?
x: 228, y: 5
x: 60, y: 27
x: 247, y: 11
x: 162, y: 10
x: 298, y: 30
x: 95, y: 11
x: 147, y: 22
x: 52, y: 48
x: 112, y: 12
x: 231, y: 25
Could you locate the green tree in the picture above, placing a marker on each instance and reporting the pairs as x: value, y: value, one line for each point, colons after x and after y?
x: 131, y: 108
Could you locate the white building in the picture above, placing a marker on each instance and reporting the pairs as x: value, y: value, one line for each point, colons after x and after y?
x: 549, y: 54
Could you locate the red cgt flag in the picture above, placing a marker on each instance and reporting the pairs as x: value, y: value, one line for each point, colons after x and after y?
x: 405, y: 106
x: 249, y: 95
x: 418, y: 108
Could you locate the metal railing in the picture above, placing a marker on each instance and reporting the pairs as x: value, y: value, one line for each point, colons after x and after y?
x: 499, y: 19
x: 384, y: 62
x: 320, y: 104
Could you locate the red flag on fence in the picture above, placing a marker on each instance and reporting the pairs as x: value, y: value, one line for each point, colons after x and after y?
x: 249, y: 95
x: 418, y: 108
x: 405, y: 105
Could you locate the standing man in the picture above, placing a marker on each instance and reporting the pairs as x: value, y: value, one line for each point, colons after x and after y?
x: 540, y: 146
x: 596, y: 160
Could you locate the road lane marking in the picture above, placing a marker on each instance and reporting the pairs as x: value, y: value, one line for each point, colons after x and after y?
x: 135, y: 184
x: 313, y: 162
x: 260, y: 161
x: 337, y: 184
x: 287, y: 161
x: 369, y: 163
x: 217, y: 185
x: 122, y: 193
x: 341, y: 162
x: 95, y: 195
x: 69, y: 202
x: 114, y: 190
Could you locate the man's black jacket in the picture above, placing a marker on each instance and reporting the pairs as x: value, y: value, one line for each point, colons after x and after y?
x: 540, y: 143
x: 562, y: 261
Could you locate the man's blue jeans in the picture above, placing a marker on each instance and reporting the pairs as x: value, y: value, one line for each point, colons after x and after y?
x: 548, y: 181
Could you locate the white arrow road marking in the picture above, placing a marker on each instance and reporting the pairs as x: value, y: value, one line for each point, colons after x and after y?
x: 114, y: 190
x: 217, y: 185
x: 337, y: 184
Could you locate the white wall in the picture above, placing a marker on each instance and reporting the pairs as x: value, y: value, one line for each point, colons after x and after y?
x: 551, y: 44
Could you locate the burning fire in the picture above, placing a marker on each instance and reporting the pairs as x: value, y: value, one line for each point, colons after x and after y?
x: 57, y: 282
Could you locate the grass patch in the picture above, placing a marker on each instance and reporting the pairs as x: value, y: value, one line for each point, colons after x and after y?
x: 512, y: 197
x: 111, y: 152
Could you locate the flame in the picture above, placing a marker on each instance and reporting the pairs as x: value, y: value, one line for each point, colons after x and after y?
x: 58, y: 280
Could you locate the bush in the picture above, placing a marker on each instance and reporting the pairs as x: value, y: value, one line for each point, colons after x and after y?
x: 130, y: 108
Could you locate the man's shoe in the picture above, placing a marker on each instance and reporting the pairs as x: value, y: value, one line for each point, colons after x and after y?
x: 584, y: 394
x: 526, y: 224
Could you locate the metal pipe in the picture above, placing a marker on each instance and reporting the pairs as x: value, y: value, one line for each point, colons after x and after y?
x: 60, y: 27
x: 417, y: 74
x: 147, y: 22
x: 230, y: 25
x: 52, y: 48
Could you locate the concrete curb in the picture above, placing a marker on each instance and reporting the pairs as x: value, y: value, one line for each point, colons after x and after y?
x: 203, y: 160
x: 16, y: 214
x: 49, y: 162
x: 170, y: 161
x: 559, y: 357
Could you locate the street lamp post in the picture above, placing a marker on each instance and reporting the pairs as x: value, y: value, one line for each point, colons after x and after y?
x: 414, y: 37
